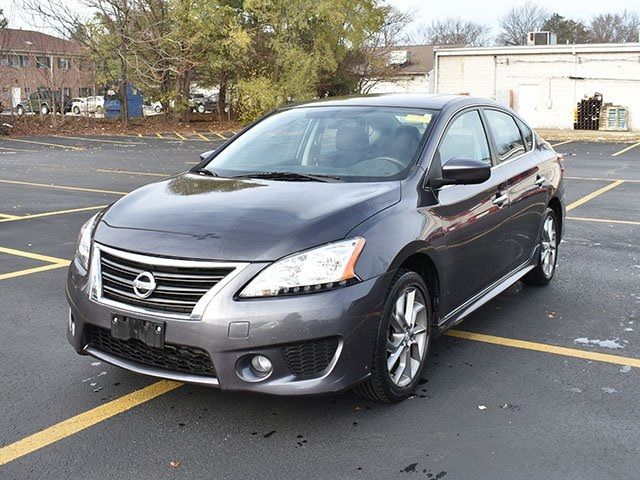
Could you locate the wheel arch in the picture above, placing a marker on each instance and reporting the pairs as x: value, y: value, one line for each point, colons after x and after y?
x: 556, y: 206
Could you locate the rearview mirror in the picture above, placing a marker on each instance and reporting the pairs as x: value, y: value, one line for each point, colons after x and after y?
x: 464, y: 171
x: 205, y: 155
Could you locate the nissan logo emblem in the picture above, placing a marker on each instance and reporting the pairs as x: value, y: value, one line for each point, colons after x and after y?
x: 144, y: 284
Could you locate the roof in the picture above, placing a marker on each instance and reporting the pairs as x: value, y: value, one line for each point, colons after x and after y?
x: 403, y: 100
x: 421, y: 61
x: 546, y: 49
x: 12, y: 39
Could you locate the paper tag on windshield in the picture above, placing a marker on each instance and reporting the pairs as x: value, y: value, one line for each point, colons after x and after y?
x: 426, y: 118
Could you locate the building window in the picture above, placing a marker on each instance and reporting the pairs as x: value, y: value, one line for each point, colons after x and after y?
x: 25, y: 61
x: 64, y: 63
x: 85, y: 91
x: 14, y: 60
x: 43, y: 61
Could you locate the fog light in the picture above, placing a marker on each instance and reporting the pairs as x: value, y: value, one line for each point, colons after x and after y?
x: 261, y: 364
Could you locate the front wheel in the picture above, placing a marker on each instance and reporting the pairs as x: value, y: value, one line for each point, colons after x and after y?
x: 76, y: 110
x: 403, y: 340
x: 44, y: 109
x: 200, y: 108
x: 548, y: 252
x: 20, y: 110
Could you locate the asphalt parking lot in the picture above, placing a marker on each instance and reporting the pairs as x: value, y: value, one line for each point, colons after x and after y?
x: 540, y: 383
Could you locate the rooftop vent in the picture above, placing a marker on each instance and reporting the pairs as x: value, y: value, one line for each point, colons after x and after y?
x: 399, y: 57
x: 542, y: 38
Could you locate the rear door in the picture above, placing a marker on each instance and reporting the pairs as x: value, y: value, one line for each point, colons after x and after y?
x: 527, y: 184
x: 474, y: 217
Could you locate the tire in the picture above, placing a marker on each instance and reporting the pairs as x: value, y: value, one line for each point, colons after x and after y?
x: 99, y: 109
x: 384, y: 384
x: 158, y: 109
x: 20, y: 110
x: 44, y: 109
x: 76, y: 110
x: 200, y: 108
x: 549, y: 241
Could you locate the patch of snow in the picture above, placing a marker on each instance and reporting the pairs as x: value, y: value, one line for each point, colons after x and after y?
x: 599, y: 343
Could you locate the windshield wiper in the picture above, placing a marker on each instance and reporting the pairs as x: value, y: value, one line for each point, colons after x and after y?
x: 291, y: 176
x: 203, y: 171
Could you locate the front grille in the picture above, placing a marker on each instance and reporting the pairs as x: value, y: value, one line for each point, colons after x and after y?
x: 310, y: 358
x: 178, y: 289
x: 177, y: 358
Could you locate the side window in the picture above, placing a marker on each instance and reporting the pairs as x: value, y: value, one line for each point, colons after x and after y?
x: 465, y: 137
x: 506, y: 134
x: 526, y: 133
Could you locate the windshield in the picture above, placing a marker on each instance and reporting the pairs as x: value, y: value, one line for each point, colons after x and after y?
x: 352, y: 143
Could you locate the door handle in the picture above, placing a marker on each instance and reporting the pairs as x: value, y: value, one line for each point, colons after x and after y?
x: 500, y: 199
x: 540, y: 181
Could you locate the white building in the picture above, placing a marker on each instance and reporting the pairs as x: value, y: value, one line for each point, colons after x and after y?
x: 544, y: 83
x: 414, y: 64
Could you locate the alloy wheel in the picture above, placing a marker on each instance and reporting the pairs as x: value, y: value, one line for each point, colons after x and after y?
x: 407, y: 337
x: 548, y: 246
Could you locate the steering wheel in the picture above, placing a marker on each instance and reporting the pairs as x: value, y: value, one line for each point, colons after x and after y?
x: 388, y: 159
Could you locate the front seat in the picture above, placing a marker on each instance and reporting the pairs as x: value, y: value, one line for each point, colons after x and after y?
x: 351, y: 145
x: 405, y: 143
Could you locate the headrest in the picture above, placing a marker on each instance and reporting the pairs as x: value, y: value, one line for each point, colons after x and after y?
x: 351, y: 139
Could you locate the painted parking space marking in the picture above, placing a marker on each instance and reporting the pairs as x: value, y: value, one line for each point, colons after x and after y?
x: 10, y: 149
x: 181, y: 137
x: 201, y: 136
x: 46, y: 144
x: 84, y: 420
x: 99, y: 140
x: 554, y: 145
x: 604, y: 220
x: 62, y: 187
x: 599, y: 179
x: 50, y: 214
x: 6, y: 216
x: 129, y: 172
x: 52, y: 263
x: 624, y: 150
x: 545, y: 348
x: 159, y: 136
x: 219, y: 135
x: 593, y: 195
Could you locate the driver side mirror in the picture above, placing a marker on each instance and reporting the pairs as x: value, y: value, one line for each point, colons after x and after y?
x: 205, y: 155
x: 463, y: 171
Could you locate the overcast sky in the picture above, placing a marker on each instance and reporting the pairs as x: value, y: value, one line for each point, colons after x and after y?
x: 485, y: 11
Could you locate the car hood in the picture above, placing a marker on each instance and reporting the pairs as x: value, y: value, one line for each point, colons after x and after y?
x: 198, y: 217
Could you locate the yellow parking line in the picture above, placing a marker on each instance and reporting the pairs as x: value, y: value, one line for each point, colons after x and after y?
x: 202, y: 136
x: 50, y: 214
x: 179, y: 136
x: 99, y: 140
x: 128, y: 172
x: 604, y: 220
x: 554, y: 145
x: 62, y: 187
x: 140, y: 135
x: 33, y: 256
x: 546, y: 348
x: 626, y: 149
x: 35, y: 142
x: 29, y: 271
x: 221, y: 136
x: 8, y: 217
x: 84, y: 420
x: 593, y: 195
x: 600, y: 179
x: 159, y: 136
x: 8, y: 149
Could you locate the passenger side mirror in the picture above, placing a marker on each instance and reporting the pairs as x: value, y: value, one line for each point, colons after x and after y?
x: 205, y: 155
x: 463, y: 171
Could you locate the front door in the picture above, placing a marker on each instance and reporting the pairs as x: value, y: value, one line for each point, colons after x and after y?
x: 474, y: 217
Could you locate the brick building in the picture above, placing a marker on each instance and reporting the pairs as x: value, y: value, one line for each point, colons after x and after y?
x: 544, y: 83
x: 32, y: 61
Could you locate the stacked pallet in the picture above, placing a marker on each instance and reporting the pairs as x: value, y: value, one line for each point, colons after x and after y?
x: 587, y: 115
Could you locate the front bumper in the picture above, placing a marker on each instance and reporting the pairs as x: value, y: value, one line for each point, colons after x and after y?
x: 350, y: 314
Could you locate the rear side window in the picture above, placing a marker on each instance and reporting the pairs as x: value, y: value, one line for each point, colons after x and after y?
x: 506, y: 133
x: 526, y: 133
x: 466, y: 138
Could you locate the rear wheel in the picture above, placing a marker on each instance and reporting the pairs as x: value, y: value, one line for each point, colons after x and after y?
x: 76, y: 110
x: 44, y: 109
x: 20, y: 110
x: 548, y: 252
x: 200, y: 108
x: 403, y: 340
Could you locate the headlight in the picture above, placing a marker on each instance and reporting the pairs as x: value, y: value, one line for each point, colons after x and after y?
x: 84, y: 241
x: 329, y: 266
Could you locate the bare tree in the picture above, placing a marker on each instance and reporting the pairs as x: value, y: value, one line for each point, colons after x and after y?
x: 3, y: 20
x: 371, y: 63
x: 453, y: 31
x: 615, y: 27
x: 518, y: 21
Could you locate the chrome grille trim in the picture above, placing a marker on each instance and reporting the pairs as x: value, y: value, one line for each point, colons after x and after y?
x: 175, y: 291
